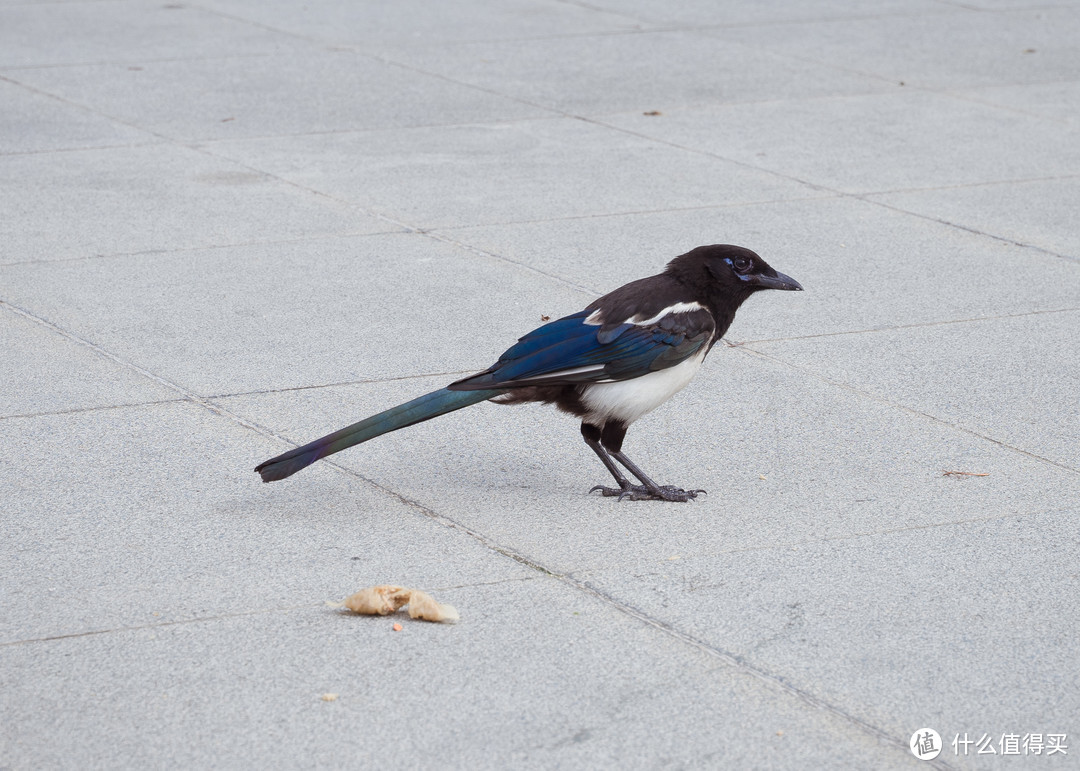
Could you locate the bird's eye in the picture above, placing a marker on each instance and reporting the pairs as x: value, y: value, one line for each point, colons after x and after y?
x: 742, y: 264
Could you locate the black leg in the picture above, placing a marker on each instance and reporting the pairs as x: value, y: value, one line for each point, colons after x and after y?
x: 607, y: 444
x: 655, y: 491
x: 591, y: 435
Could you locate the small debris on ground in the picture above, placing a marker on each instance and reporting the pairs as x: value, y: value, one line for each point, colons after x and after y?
x: 377, y: 600
x: 963, y: 474
x: 423, y: 606
x: 385, y: 599
x: 329, y: 697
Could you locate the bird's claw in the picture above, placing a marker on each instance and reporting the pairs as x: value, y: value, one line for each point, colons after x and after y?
x: 643, y: 493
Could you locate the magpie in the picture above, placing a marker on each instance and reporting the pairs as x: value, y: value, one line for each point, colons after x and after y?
x: 621, y: 357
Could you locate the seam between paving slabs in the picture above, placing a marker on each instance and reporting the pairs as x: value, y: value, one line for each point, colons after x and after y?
x: 969, y: 229
x: 61, y: 150
x: 98, y: 408
x: 690, y: 554
x: 259, y: 392
x: 58, y: 65
x: 775, y: 681
x: 200, y: 247
x: 909, y: 410
x: 633, y: 213
x: 919, y: 325
x: 226, y: 616
x: 968, y: 185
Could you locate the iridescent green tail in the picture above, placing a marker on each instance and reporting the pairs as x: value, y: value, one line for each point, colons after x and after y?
x: 418, y: 410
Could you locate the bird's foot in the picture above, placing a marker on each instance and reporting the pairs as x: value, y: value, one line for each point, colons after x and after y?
x: 643, y: 493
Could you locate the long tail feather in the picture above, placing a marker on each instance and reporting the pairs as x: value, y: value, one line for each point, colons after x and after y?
x: 418, y: 410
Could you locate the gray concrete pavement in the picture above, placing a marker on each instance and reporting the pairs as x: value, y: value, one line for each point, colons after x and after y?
x: 233, y: 225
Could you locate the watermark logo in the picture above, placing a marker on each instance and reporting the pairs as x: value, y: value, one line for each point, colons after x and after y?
x: 925, y: 744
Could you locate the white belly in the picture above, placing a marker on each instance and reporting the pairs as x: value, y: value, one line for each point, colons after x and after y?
x: 628, y: 400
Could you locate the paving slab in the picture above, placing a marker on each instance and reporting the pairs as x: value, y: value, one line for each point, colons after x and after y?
x: 35, y: 122
x: 44, y: 372
x: 1040, y: 213
x: 932, y: 626
x: 1026, y: 368
x: 589, y: 686
x: 614, y: 73
x: 487, y: 173
x: 303, y: 90
x: 944, y: 50
x: 146, y: 198
x: 48, y: 34
x: 1058, y: 101
x: 411, y: 23
x: 705, y: 13
x: 1012, y: 5
x: 874, y: 143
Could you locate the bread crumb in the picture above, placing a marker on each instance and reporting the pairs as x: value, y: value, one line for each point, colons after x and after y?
x: 377, y: 600
x: 385, y: 599
x: 329, y: 697
x: 423, y: 605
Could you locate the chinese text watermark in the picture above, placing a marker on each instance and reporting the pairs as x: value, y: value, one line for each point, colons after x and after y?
x: 926, y: 744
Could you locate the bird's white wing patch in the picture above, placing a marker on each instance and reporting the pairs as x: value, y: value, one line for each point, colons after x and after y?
x: 567, y: 372
x: 594, y: 319
x: 676, y: 308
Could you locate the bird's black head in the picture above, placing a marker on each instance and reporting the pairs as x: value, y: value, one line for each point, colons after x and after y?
x: 729, y: 271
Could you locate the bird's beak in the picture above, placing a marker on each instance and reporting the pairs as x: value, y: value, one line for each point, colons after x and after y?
x: 779, y: 281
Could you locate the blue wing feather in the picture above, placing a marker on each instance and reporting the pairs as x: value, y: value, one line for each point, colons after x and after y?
x: 551, y: 354
x: 550, y: 333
